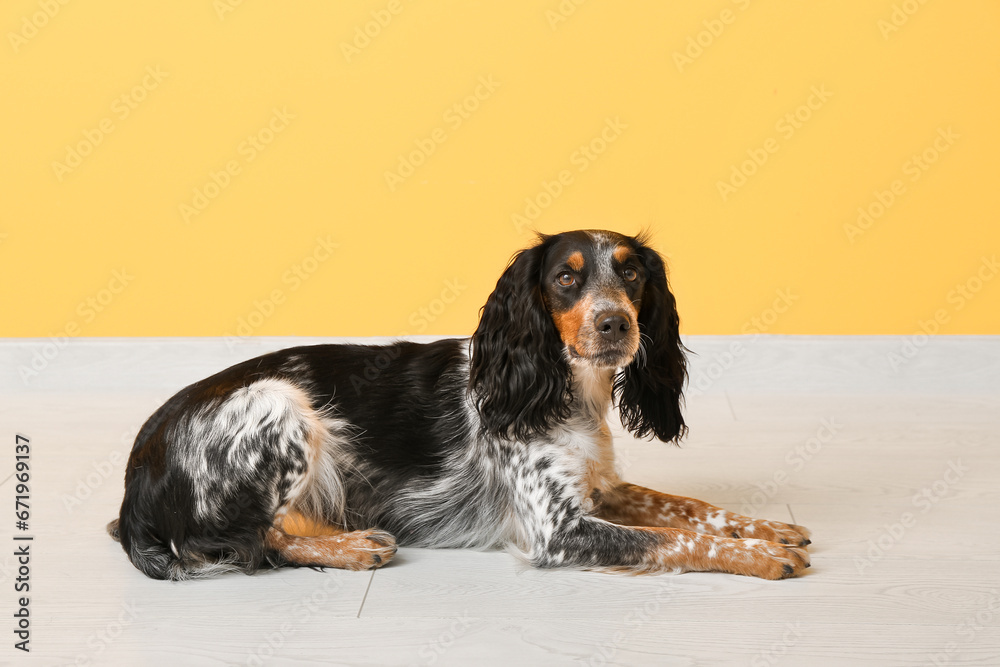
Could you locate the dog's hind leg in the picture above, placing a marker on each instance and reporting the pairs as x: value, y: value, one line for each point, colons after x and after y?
x: 303, y: 530
x: 301, y: 541
x: 213, y: 479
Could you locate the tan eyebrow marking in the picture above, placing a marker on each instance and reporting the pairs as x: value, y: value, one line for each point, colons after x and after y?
x: 575, y: 261
x: 621, y: 253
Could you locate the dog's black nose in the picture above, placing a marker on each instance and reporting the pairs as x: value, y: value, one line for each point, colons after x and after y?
x: 612, y: 326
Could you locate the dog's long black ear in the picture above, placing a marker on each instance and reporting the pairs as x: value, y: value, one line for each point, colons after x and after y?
x: 517, y: 374
x: 650, y: 389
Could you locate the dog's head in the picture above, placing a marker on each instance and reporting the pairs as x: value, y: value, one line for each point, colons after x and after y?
x: 579, y: 299
x: 592, y: 286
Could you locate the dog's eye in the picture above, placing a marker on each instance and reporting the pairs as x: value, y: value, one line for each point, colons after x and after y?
x: 630, y: 274
x: 566, y: 279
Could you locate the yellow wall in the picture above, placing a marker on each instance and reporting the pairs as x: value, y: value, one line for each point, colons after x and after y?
x: 155, y: 98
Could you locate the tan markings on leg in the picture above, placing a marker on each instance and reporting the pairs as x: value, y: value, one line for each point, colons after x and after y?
x: 682, y: 550
x: 575, y: 261
x: 358, y: 550
x: 632, y: 505
x: 296, y: 523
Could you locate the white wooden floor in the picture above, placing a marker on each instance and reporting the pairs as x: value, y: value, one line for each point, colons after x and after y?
x: 896, y: 471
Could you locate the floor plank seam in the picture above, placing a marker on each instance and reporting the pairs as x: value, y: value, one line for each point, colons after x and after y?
x: 364, y: 598
x: 729, y: 402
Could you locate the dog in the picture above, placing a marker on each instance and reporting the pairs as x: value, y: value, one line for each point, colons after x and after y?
x: 331, y: 455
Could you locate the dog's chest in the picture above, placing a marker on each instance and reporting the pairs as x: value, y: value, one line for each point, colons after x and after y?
x: 582, y: 462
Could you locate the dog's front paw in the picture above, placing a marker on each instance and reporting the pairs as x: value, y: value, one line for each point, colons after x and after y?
x: 773, y: 531
x: 770, y: 560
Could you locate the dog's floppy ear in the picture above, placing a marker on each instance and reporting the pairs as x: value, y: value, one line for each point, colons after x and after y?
x: 518, y: 375
x: 650, y: 389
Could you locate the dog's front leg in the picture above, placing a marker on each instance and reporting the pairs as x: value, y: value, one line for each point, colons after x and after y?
x: 632, y: 505
x: 559, y: 531
x: 594, y: 543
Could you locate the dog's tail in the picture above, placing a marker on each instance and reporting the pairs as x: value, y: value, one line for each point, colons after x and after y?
x: 160, y: 561
x: 150, y: 557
